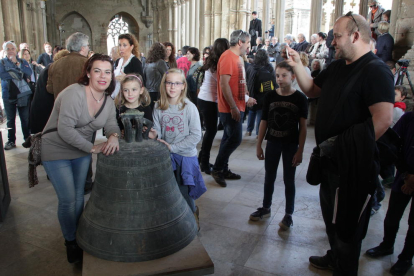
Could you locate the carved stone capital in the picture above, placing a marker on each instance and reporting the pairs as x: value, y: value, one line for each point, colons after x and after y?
x: 148, y: 20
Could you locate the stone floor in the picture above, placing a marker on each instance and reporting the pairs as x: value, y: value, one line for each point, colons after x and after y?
x: 31, y: 242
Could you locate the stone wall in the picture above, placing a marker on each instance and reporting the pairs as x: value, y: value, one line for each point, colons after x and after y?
x: 21, y: 21
x: 402, y: 29
x: 93, y: 18
x: 402, y: 26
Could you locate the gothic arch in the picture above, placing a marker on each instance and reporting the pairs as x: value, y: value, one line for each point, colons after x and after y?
x: 133, y: 24
x: 74, y: 22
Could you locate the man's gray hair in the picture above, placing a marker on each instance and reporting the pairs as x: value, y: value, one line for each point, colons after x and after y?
x: 76, y: 41
x: 8, y: 42
x: 260, y: 39
x: 304, y: 37
x: 238, y: 35
x: 289, y: 37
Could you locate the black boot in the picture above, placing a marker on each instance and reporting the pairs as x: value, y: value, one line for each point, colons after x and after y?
x: 206, y: 168
x: 73, y: 252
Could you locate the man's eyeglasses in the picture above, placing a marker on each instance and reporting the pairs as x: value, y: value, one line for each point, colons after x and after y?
x: 353, y: 18
x: 372, y: 6
x: 172, y: 84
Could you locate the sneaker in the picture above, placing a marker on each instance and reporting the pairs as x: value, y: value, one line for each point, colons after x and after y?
x: 321, y: 262
x: 260, y: 213
x: 231, y: 175
x: 219, y: 178
x: 9, y: 145
x: 248, y: 133
x: 401, y: 267
x: 373, y: 212
x: 286, y: 222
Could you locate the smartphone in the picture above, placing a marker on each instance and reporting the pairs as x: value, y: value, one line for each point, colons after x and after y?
x: 287, y: 53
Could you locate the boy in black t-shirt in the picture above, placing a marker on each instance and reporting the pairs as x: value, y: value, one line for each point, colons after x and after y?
x: 284, y: 122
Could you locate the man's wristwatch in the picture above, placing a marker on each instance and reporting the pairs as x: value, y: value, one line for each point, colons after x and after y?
x: 115, y: 134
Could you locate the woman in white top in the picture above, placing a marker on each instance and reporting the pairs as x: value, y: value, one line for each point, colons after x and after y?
x: 207, y: 101
x: 129, y: 62
x: 321, y: 50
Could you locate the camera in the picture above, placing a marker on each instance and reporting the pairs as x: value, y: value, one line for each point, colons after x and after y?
x: 403, y: 62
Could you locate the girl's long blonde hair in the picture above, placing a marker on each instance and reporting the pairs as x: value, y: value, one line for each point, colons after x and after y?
x: 163, y: 103
x: 144, y: 99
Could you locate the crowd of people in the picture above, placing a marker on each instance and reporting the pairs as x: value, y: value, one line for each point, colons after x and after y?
x: 69, y: 94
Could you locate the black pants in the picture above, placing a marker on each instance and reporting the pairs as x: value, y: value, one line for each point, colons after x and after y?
x: 209, y: 111
x: 344, y: 256
x: 396, y: 207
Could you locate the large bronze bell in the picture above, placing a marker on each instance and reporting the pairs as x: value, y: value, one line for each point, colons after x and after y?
x: 136, y: 211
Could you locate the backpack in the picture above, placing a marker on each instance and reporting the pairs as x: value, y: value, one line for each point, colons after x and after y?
x: 193, y: 84
x: 264, y: 82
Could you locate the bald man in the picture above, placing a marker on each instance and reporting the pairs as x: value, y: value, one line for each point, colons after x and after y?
x: 355, y: 109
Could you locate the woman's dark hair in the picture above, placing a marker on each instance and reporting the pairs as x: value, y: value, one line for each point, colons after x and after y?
x: 132, y: 41
x: 195, y: 52
x: 219, y: 47
x: 156, y: 52
x: 87, y: 69
x: 285, y: 65
x: 171, y: 60
x: 323, y: 35
x: 205, y: 50
x: 57, y: 49
x: 261, y: 58
x: 22, y: 53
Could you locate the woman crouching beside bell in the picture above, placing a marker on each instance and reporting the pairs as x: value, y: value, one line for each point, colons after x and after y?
x: 79, y: 111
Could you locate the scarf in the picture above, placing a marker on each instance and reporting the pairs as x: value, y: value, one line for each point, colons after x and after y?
x: 400, y: 105
x: 373, y: 13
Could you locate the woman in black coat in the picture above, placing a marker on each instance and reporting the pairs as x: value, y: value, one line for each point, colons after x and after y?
x: 129, y: 62
x: 385, y: 42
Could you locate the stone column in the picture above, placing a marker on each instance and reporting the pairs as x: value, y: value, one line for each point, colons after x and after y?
x: 191, y: 23
x: 247, y: 16
x: 170, y: 10
x: 197, y: 30
x: 233, y: 24
x: 187, y: 23
x: 208, y: 20
x: 225, y: 18
x: 2, y: 32
x: 183, y: 23
x: 266, y: 19
x: 193, y: 29
x: 11, y: 17
x: 280, y: 20
x: 217, y: 19
x: 364, y: 9
x: 339, y: 8
x: 176, y: 18
x: 316, y: 17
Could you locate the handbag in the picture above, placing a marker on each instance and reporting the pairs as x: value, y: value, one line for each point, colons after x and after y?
x: 35, y: 151
x: 314, y: 173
